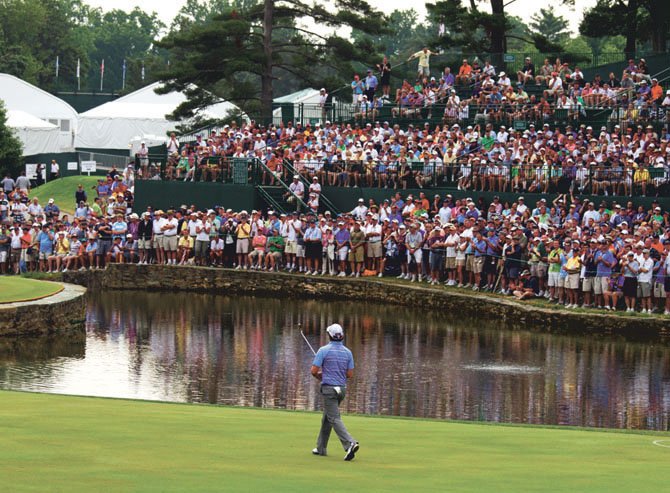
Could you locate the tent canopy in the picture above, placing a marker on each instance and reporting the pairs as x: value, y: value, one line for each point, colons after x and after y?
x: 141, y: 113
x: 37, y: 136
x: 19, y: 95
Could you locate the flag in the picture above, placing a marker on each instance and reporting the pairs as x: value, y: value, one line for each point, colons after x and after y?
x: 57, y: 65
x: 123, y: 78
x: 102, y: 73
x: 142, y: 71
x: 78, y: 74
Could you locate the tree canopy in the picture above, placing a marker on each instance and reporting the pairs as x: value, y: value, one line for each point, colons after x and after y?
x: 240, y: 53
x: 11, y: 148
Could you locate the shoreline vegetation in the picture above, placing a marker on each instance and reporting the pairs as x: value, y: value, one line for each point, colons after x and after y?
x: 130, y: 445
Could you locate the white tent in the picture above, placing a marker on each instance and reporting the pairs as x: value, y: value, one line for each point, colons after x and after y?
x: 37, y: 136
x: 305, y: 106
x: 19, y: 95
x: 141, y: 113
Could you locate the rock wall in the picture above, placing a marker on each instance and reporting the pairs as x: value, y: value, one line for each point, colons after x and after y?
x: 509, y: 313
x: 60, y: 313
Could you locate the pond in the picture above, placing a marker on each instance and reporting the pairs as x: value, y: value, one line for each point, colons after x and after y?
x: 248, y: 351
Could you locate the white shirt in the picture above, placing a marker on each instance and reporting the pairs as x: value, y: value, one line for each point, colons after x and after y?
x: 203, y: 231
x: 373, y: 228
x: 293, y: 227
x: 649, y: 265
x: 445, y: 214
x: 158, y: 225
x: 173, y: 230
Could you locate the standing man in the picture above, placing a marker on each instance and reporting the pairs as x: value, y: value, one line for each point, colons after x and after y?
x: 371, y: 84
x: 423, y: 69
x: 54, y: 170
x: 333, y: 365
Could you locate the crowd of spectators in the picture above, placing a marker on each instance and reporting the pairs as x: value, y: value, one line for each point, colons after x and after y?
x: 479, y: 91
x: 572, y: 252
x: 626, y: 161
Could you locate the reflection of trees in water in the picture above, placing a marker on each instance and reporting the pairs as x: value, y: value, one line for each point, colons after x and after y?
x: 248, y: 351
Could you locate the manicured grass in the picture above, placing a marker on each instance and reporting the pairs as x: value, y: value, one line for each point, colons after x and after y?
x: 61, y: 443
x: 15, y: 288
x: 62, y: 191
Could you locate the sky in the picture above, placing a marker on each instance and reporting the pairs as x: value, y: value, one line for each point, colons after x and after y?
x: 167, y: 9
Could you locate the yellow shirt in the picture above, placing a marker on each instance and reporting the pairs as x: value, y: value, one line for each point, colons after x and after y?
x: 243, y: 231
x: 62, y: 246
x: 185, y: 242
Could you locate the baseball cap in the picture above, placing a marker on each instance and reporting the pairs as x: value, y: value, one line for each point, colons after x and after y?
x: 335, y: 331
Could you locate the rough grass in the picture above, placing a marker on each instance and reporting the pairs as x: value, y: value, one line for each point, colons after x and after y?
x: 13, y: 288
x: 61, y: 443
x: 62, y: 191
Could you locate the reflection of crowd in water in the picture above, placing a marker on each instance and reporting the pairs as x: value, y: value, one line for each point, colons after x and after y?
x: 248, y: 351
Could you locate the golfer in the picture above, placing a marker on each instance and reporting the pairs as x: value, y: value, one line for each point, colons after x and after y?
x: 333, y: 364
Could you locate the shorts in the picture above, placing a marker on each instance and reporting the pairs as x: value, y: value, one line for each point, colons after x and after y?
x: 356, y: 255
x: 104, y: 247
x: 469, y: 263
x: 3, y: 256
x: 538, y: 269
x: 242, y: 246
x: 170, y: 243
x: 659, y: 290
x: 143, y: 244
x: 44, y: 255
x: 630, y: 287
x: 257, y: 253
x: 15, y: 255
x: 200, y: 248
x: 601, y: 285
x: 512, y: 272
x: 572, y: 281
x: 158, y: 241
x: 490, y: 265
x: 553, y: 280
x: 460, y: 262
x: 436, y: 261
x: 375, y: 249
x: 343, y: 253
x: 643, y: 289
x: 291, y: 247
x: 300, y: 251
x: 587, y: 284
x: 313, y: 251
x: 275, y: 255
x: 450, y: 263
x: 478, y: 265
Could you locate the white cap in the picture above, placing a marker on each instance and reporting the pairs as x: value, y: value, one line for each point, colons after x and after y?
x: 335, y: 331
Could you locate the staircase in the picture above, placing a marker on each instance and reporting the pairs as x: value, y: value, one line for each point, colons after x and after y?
x: 325, y: 204
x: 274, y: 196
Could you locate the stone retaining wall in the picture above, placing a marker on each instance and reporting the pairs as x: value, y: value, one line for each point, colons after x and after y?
x: 62, y: 312
x: 509, y: 313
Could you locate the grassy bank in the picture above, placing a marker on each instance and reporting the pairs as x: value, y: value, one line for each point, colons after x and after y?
x: 60, y: 443
x: 62, y: 191
x: 13, y: 289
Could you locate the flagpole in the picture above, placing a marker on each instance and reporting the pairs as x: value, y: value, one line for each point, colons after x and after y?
x: 123, y: 78
x: 78, y: 74
x: 57, y: 64
x: 102, y: 73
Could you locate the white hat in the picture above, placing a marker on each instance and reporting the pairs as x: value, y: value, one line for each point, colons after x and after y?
x: 296, y: 177
x: 51, y: 201
x: 335, y: 331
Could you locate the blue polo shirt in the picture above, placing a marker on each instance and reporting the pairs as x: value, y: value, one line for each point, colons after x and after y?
x: 335, y: 360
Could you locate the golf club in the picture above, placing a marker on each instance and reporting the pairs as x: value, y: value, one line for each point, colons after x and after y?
x: 310, y: 346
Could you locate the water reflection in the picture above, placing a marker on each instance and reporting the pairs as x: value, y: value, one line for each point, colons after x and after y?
x: 248, y: 351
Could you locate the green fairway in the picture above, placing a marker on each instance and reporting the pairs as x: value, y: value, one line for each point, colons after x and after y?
x: 21, y: 289
x: 62, y: 191
x: 61, y: 443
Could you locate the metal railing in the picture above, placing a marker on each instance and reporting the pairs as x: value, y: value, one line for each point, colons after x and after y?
x: 460, y: 174
x: 290, y: 170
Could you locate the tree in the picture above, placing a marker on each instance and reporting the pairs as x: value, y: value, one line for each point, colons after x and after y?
x: 116, y: 36
x: 637, y: 20
x: 472, y: 29
x: 405, y: 34
x: 551, y: 26
x: 232, y: 54
x: 11, y: 148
